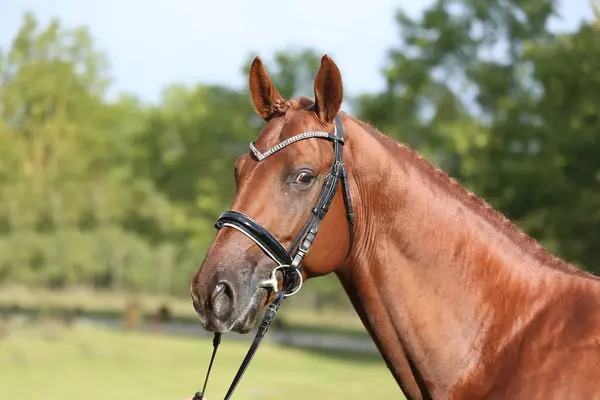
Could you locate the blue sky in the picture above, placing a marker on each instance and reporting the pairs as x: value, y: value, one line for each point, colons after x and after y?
x: 151, y: 44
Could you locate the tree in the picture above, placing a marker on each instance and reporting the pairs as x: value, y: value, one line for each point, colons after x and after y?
x: 486, y: 91
x: 66, y: 182
x: 121, y: 195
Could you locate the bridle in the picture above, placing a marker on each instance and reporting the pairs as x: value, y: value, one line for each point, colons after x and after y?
x: 288, y: 260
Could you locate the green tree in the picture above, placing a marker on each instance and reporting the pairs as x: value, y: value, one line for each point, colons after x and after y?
x: 486, y: 91
x: 67, y: 187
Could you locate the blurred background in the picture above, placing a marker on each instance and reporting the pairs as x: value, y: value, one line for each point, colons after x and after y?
x: 120, y: 123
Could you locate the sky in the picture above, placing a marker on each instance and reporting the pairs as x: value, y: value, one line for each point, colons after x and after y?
x: 153, y: 43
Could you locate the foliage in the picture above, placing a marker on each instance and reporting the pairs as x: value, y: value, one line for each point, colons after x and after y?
x: 117, y: 194
x: 483, y: 89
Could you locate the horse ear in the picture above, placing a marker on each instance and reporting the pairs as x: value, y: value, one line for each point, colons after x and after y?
x: 264, y: 95
x: 328, y: 90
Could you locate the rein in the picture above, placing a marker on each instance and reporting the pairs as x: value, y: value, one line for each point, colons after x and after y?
x: 288, y: 262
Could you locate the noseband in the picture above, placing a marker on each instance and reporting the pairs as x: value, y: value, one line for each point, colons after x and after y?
x: 288, y: 259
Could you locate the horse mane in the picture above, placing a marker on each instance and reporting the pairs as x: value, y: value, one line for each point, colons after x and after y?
x: 476, y: 204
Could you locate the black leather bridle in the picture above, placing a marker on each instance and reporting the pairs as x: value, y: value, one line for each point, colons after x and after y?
x: 288, y: 260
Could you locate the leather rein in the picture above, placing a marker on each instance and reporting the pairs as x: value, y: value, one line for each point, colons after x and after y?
x: 288, y: 260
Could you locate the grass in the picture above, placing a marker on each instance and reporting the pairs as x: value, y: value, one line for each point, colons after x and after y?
x: 54, y: 362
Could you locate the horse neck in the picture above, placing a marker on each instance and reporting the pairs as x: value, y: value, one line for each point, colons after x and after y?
x: 436, y: 284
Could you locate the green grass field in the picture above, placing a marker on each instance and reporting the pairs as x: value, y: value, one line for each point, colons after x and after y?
x: 51, y: 362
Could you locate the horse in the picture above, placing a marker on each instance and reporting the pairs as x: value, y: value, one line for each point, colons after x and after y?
x: 460, y: 302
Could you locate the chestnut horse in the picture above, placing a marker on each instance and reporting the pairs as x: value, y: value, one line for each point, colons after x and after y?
x: 460, y: 303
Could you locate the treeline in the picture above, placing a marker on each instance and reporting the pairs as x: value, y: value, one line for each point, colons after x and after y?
x: 123, y: 195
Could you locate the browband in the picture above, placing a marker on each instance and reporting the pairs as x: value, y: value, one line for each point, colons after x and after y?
x: 306, y: 135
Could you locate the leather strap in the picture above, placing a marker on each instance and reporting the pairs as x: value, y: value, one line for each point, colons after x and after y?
x: 216, y: 343
x: 274, y: 249
x: 343, y: 176
x: 262, y: 237
x: 260, y: 334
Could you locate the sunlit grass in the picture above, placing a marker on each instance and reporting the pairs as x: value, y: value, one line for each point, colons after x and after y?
x: 84, y: 362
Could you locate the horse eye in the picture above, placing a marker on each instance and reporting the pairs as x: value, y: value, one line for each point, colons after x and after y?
x: 304, y: 177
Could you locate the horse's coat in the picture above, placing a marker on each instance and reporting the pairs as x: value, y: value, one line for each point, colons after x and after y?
x: 460, y: 303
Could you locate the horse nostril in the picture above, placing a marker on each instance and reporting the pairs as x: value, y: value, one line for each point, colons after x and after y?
x: 222, y: 300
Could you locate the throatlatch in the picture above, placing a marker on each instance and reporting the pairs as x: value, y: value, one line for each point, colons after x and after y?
x: 288, y: 260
